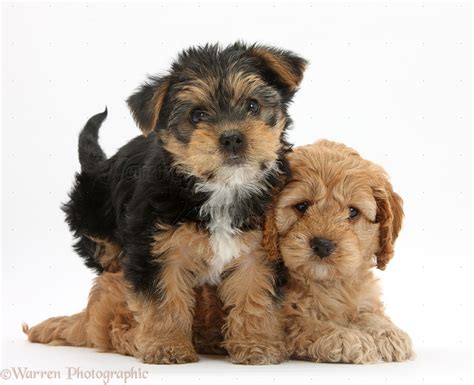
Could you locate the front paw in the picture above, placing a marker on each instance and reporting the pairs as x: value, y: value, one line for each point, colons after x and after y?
x: 393, y: 344
x: 256, y: 352
x: 343, y: 345
x: 167, y: 352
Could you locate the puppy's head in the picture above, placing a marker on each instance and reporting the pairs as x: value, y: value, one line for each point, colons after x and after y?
x: 336, y: 212
x: 222, y: 112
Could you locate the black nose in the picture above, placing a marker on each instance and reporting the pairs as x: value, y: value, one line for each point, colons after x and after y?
x: 322, y: 247
x: 232, y: 142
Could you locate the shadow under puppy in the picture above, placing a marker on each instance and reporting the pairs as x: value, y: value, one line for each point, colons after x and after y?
x: 336, y: 213
x: 183, y: 205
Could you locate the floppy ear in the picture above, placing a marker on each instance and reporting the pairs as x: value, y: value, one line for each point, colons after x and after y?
x: 390, y: 217
x: 270, y: 236
x: 146, y: 103
x: 283, y: 68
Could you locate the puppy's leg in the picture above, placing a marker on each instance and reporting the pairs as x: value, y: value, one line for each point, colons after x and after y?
x: 208, y: 322
x: 110, y: 324
x: 319, y: 341
x: 253, y: 330
x: 392, y: 343
x: 164, y: 333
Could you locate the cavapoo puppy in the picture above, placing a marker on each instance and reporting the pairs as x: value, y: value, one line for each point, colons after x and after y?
x: 336, y: 219
x: 183, y: 204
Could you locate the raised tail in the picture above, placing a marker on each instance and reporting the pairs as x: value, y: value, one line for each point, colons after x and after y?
x: 90, y: 153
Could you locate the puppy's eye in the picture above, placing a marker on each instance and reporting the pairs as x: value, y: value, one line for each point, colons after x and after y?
x: 353, y: 213
x: 252, y: 106
x: 302, y: 207
x: 197, y: 116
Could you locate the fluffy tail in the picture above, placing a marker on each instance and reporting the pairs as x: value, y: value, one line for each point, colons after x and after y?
x: 90, y: 153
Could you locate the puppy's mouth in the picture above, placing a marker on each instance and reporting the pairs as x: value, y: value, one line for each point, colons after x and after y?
x: 234, y: 160
x: 324, y: 261
x: 322, y: 271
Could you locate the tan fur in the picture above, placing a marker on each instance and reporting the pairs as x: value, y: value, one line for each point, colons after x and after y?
x: 156, y: 105
x: 199, y: 91
x: 241, y: 309
x: 332, y: 307
x: 275, y: 62
x: 243, y: 85
x: 202, y: 156
x: 164, y: 334
x: 108, y: 254
x: 252, y: 333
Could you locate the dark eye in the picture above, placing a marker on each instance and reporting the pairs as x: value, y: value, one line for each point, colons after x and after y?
x: 197, y: 116
x: 353, y: 213
x: 302, y: 207
x: 252, y: 106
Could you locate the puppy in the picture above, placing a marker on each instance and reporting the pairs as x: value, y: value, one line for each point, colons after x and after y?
x: 335, y: 220
x: 183, y: 204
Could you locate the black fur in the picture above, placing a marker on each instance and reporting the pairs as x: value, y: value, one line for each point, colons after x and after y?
x: 281, y: 279
x: 121, y: 199
x: 90, y: 153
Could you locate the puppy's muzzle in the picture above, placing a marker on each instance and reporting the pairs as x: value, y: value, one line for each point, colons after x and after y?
x: 232, y: 143
x: 322, y: 247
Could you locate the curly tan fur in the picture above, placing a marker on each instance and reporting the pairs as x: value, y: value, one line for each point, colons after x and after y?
x: 332, y: 307
x: 110, y: 324
x: 238, y: 317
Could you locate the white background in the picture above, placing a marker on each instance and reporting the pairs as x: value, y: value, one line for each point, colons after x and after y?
x: 392, y: 80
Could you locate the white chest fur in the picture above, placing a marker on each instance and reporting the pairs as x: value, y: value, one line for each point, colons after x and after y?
x: 224, y: 239
x: 225, y: 246
x: 223, y: 200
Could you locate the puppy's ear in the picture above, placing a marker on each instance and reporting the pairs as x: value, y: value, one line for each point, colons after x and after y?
x: 147, y: 102
x: 390, y: 217
x: 270, y: 236
x: 283, y: 68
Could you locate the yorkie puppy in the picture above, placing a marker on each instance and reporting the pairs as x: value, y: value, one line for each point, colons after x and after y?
x: 183, y: 204
x: 336, y: 219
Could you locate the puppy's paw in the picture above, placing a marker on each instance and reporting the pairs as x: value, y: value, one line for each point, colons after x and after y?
x: 344, y: 345
x: 53, y: 331
x: 256, y: 352
x: 167, y: 352
x: 393, y: 344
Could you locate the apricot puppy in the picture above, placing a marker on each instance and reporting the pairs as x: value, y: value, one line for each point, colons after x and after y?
x: 334, y: 215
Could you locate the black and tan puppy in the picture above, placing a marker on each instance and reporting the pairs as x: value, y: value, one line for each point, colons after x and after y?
x: 182, y: 205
